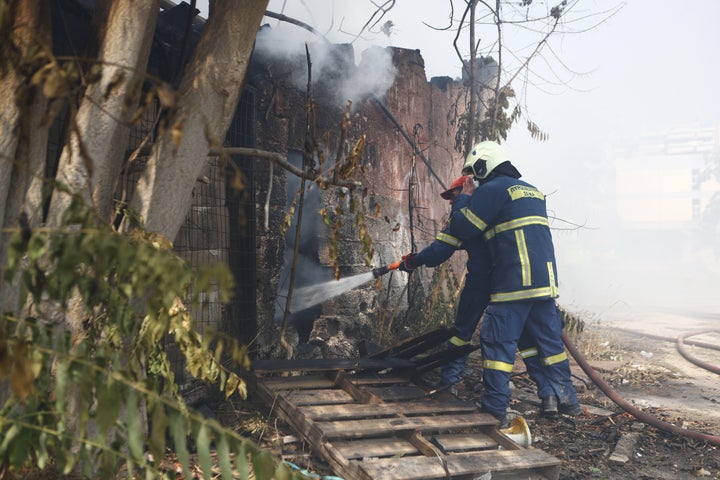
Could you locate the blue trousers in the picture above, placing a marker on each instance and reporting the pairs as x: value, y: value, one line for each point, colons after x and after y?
x: 471, y: 307
x: 530, y: 355
x: 474, y: 297
x: 503, y: 325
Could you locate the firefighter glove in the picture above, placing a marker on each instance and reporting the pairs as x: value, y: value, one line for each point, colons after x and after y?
x: 409, y: 263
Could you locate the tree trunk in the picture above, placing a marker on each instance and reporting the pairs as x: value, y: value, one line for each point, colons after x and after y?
x: 98, y: 135
x: 23, y: 138
x: 208, y: 96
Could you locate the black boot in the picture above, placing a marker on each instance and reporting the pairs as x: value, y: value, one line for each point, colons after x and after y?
x: 502, y: 419
x: 571, y: 409
x: 549, y: 405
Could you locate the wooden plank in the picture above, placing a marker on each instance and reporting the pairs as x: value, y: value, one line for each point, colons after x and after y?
x: 371, y: 426
x: 305, y: 427
x: 374, y: 448
x: 517, y: 462
x: 398, y: 393
x: 423, y: 445
x: 329, y: 364
x: 412, y: 346
x: 374, y: 378
x: 317, y: 397
x: 384, y: 426
x: 462, y: 442
x: 340, y: 412
x: 359, y: 394
x: 302, y: 382
x: 439, y: 359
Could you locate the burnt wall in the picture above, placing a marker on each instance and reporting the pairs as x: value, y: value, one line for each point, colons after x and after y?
x: 403, y: 186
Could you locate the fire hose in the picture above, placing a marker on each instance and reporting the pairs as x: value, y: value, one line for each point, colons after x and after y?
x: 710, y: 346
x: 690, y: 358
x: 379, y: 271
x: 680, y: 343
x: 637, y: 413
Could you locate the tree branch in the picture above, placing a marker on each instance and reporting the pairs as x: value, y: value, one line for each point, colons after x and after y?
x: 281, y: 161
x: 285, y: 18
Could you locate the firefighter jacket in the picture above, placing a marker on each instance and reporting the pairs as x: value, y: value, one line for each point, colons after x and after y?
x: 511, y: 216
x: 445, y: 244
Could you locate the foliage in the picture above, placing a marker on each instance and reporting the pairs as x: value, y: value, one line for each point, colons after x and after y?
x: 334, y: 222
x: 79, y: 398
x: 495, y: 121
x: 347, y: 167
x: 439, y: 306
x: 493, y: 116
x: 572, y: 323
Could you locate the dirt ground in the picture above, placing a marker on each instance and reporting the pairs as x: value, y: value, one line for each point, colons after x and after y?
x: 643, y: 368
x: 650, y: 375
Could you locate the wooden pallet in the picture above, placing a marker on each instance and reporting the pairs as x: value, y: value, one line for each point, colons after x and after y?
x: 380, y: 424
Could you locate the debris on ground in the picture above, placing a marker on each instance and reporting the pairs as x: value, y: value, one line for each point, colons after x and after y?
x: 603, y: 443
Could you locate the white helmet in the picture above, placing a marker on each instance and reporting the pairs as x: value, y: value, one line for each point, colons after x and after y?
x: 483, y: 158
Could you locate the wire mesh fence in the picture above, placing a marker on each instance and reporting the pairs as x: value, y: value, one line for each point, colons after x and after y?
x: 218, y: 228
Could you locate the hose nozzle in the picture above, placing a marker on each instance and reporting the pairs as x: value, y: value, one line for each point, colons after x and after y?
x: 380, y: 271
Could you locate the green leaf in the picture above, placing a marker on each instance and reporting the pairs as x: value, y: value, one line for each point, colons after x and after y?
x: 203, y: 450
x: 263, y: 464
x: 134, y: 426
x: 178, y: 432
x: 108, y: 464
x: 109, y: 401
x: 241, y: 462
x: 158, y: 430
x: 61, y: 384
x: 43, y: 457
x: 223, y: 452
x: 283, y: 472
x: 67, y: 462
x: 10, y: 435
x: 37, y: 247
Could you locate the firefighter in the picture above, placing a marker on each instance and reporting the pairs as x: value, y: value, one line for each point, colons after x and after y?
x: 511, y: 216
x: 474, y: 298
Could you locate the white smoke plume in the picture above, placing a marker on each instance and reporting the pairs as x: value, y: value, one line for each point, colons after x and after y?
x: 332, y: 64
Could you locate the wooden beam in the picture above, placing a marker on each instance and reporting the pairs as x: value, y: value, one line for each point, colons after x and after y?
x: 329, y: 364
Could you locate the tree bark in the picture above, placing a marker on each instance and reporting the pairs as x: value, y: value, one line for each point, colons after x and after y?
x: 98, y: 135
x: 23, y: 137
x: 22, y: 107
x: 208, y: 96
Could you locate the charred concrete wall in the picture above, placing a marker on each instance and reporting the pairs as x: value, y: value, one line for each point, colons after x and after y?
x: 403, y: 182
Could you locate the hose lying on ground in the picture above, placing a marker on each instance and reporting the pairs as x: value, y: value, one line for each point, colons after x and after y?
x: 681, y: 342
x: 637, y: 413
x: 681, y: 348
x: 671, y: 339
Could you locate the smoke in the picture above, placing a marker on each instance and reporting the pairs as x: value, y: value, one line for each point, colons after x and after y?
x: 374, y: 76
x: 333, y: 65
x: 308, y: 270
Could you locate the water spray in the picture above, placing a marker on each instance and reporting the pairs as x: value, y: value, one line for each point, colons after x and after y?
x: 306, y: 297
